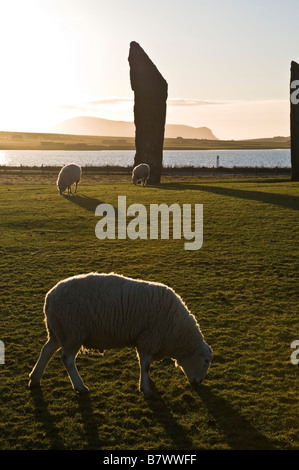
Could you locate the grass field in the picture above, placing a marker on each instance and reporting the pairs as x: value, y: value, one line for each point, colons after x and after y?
x: 242, y: 286
x: 38, y: 141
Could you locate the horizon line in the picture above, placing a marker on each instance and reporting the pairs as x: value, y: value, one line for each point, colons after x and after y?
x: 133, y: 137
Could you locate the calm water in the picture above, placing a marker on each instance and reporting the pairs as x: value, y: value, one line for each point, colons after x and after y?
x: 171, y: 158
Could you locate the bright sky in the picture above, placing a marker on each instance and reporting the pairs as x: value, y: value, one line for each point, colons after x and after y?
x: 227, y: 62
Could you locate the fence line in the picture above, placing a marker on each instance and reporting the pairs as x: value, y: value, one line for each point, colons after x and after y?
x: 166, y: 171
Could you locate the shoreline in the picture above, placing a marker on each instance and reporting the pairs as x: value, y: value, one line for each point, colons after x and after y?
x: 92, y: 174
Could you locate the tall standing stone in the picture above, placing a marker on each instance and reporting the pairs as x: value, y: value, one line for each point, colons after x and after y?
x: 294, y: 105
x: 150, y: 93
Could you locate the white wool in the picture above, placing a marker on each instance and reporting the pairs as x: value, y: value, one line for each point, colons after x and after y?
x: 68, y: 175
x: 106, y: 311
x: 141, y: 173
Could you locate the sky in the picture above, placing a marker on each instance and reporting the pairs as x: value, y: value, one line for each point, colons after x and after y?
x: 226, y: 62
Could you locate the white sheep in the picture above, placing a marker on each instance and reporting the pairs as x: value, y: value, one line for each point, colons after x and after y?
x: 141, y: 173
x: 68, y: 175
x: 105, y: 311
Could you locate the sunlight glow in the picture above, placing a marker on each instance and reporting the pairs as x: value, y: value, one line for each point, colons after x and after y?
x: 58, y: 54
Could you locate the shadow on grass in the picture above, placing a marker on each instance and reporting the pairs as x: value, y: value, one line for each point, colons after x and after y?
x: 163, y: 415
x: 52, y: 432
x: 283, y: 200
x: 89, y: 422
x: 46, y: 419
x: 86, y: 202
x: 239, y: 432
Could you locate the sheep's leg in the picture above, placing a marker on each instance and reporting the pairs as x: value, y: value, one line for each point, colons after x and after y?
x: 144, y: 363
x: 76, y: 186
x: 68, y: 360
x: 47, y: 352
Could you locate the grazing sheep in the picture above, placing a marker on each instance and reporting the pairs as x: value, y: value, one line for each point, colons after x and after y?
x: 141, y: 173
x: 105, y: 311
x: 68, y: 175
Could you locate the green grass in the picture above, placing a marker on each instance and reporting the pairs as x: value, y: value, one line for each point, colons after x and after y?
x: 242, y: 286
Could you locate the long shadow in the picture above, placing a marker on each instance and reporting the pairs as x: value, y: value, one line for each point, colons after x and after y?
x: 89, y: 422
x: 239, y: 432
x: 47, y: 420
x: 44, y: 416
x: 283, y: 200
x: 86, y: 202
x: 164, y: 416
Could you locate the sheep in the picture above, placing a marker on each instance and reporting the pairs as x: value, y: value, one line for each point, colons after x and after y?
x: 105, y: 311
x: 68, y: 175
x: 141, y: 173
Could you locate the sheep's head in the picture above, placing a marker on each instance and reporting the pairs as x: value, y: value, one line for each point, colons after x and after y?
x: 195, y: 366
x: 61, y: 188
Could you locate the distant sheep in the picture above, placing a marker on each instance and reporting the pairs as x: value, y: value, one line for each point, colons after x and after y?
x: 106, y: 311
x: 141, y: 173
x: 68, y: 175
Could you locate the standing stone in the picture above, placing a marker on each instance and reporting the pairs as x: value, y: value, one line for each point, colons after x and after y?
x: 150, y: 91
x: 294, y: 105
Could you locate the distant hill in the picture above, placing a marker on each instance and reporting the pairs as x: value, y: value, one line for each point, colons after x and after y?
x: 84, y: 125
x: 172, y: 131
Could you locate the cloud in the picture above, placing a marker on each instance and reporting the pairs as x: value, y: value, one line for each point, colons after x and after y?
x: 96, y: 104
x: 189, y: 102
x: 114, y: 104
x: 223, y: 103
x: 109, y: 100
x: 99, y: 103
x: 71, y: 107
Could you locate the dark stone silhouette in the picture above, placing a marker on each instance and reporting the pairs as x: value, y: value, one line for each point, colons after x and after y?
x: 150, y: 91
x: 294, y: 105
